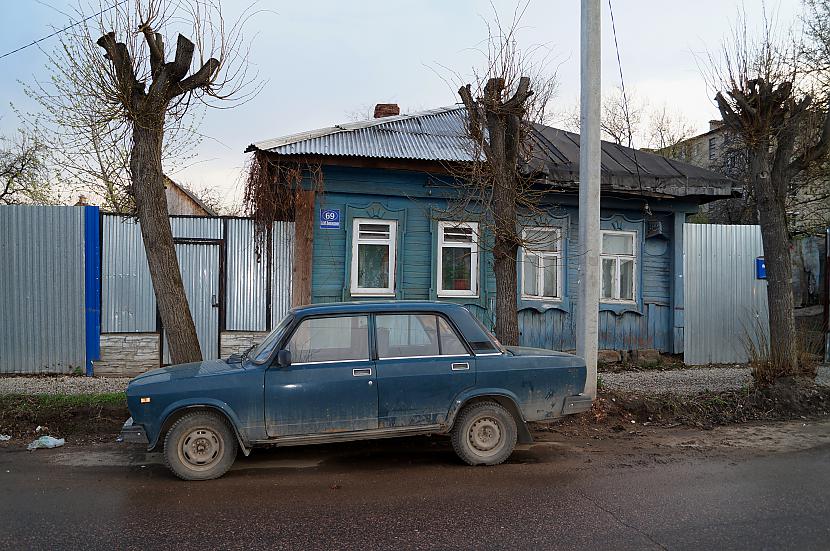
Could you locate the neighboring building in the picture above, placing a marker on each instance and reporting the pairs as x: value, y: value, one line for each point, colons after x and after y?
x: 705, y: 150
x: 182, y: 201
x: 374, y: 228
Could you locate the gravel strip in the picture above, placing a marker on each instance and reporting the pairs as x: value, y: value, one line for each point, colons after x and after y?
x: 689, y: 381
x: 62, y: 385
x: 678, y: 381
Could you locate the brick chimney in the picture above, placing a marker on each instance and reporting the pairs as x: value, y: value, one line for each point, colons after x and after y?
x: 386, y: 110
x: 715, y: 124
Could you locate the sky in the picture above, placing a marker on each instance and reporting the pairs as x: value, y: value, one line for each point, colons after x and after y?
x: 323, y: 62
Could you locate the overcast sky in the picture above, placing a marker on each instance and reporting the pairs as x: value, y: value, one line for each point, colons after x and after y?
x: 324, y: 61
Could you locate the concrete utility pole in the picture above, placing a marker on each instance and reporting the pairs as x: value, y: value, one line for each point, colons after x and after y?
x: 587, y: 330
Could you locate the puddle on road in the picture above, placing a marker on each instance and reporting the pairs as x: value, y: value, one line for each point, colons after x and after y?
x: 116, y: 458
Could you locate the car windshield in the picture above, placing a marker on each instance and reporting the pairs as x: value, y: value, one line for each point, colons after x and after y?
x: 263, y: 350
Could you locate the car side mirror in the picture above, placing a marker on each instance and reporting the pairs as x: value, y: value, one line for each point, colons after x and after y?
x: 284, y: 358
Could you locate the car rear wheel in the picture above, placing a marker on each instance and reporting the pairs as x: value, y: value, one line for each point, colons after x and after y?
x: 484, y: 434
x: 200, y: 446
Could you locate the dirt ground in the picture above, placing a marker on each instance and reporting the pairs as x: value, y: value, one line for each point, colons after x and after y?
x: 615, y: 415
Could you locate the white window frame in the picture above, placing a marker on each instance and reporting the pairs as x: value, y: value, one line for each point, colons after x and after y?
x: 540, y: 271
x: 473, y: 246
x: 619, y: 258
x: 391, y: 242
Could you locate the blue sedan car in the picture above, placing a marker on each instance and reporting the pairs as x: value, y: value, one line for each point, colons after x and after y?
x: 353, y: 371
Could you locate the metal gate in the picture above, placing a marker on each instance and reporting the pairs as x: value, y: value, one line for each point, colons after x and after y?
x: 725, y: 303
x: 199, y: 264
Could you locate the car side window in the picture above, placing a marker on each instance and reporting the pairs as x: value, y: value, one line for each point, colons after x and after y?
x: 406, y: 335
x: 330, y: 339
x: 451, y: 344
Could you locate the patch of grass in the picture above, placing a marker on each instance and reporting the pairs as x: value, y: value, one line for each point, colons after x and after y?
x: 113, y: 399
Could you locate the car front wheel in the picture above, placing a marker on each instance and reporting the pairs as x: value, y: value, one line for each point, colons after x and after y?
x: 484, y: 434
x: 200, y: 446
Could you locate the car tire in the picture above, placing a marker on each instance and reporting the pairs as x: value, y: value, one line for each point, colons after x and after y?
x: 484, y: 434
x: 200, y: 446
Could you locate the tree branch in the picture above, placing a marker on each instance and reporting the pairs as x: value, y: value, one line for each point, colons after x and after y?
x: 522, y: 93
x: 184, y: 57
x: 474, y: 124
x: 156, y: 45
x: 817, y: 151
x: 730, y: 117
x: 200, y: 79
x: 118, y: 54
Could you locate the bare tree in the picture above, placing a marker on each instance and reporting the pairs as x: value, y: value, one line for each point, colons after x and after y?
x: 504, y: 102
x: 218, y: 201
x: 23, y: 177
x: 141, y: 94
x: 666, y: 129
x: 86, y: 142
x: 765, y: 100
x: 621, y: 120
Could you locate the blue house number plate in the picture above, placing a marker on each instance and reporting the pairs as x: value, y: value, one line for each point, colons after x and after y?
x: 329, y: 219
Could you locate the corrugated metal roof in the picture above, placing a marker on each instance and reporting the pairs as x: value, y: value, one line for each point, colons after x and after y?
x: 436, y: 135
x: 440, y: 135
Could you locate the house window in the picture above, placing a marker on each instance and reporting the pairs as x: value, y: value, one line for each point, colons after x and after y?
x: 618, y: 262
x: 712, y: 148
x: 457, y: 259
x: 542, y: 263
x: 373, y: 257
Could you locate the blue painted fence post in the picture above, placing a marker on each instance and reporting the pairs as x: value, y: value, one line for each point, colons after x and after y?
x: 92, y: 285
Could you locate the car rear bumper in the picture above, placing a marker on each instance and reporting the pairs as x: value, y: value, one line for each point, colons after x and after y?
x: 576, y: 404
x: 132, y: 433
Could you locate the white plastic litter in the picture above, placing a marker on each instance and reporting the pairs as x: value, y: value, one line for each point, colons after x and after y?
x: 46, y: 442
x: 5, y: 437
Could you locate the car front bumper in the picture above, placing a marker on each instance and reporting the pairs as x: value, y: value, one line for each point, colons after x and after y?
x: 132, y: 433
x: 577, y: 404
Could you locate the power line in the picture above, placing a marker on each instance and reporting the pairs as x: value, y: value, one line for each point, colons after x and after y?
x: 625, y: 96
x: 61, y: 30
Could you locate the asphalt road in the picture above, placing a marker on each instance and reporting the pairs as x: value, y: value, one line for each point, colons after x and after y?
x: 652, y: 490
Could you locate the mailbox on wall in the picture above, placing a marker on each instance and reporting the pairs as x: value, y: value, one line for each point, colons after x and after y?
x: 760, y: 268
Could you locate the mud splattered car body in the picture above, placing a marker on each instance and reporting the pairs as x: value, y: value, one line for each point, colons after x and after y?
x: 350, y: 371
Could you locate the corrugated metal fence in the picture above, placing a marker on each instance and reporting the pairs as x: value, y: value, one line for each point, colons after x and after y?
x: 62, y: 283
x: 725, y: 305
x: 42, y: 289
x: 256, y: 288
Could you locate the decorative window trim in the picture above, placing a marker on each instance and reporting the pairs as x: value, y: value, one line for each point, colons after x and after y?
x: 473, y: 246
x: 540, y: 270
x: 619, y: 257
x: 391, y: 242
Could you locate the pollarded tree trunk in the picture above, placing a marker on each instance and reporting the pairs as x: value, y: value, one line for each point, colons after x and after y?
x: 506, y: 273
x: 783, y: 360
x: 151, y: 207
x: 146, y: 108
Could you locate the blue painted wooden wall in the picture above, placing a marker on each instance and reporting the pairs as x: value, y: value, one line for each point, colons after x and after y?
x: 414, y: 199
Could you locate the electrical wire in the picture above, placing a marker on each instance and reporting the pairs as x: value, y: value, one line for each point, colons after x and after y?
x: 61, y: 30
x: 625, y: 97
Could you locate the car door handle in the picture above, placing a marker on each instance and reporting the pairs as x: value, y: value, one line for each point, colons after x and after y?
x: 362, y: 372
x: 461, y: 366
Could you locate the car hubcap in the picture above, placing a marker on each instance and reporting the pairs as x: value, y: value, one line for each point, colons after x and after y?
x: 485, y: 436
x: 201, y: 448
